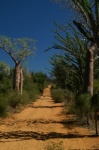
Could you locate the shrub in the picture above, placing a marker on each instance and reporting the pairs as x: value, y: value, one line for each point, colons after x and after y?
x: 31, y: 88
x: 40, y: 79
x: 82, y: 102
x: 54, y: 146
x: 95, y: 107
x: 95, y: 101
x: 58, y: 95
x: 69, y: 96
x: 96, y: 86
x: 24, y: 98
x: 33, y: 94
x: 14, y: 99
x: 53, y: 86
x: 3, y: 106
x: 5, y: 85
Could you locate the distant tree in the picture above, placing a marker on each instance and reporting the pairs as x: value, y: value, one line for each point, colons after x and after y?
x: 4, y: 68
x: 5, y: 80
x: 18, y: 50
x: 60, y: 70
x: 40, y: 79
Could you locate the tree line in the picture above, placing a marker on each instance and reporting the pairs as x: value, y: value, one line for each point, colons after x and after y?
x: 77, y: 69
x: 17, y: 85
x: 10, y: 99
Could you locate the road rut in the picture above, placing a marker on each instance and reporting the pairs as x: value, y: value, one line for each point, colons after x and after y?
x: 42, y: 124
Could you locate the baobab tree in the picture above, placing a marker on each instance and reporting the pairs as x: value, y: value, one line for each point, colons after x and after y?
x: 18, y: 49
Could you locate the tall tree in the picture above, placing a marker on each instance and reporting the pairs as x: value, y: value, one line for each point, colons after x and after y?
x: 75, y: 48
x: 87, y: 21
x: 90, y: 29
x: 18, y: 50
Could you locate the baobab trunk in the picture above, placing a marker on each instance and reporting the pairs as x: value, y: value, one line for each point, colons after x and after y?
x: 18, y: 78
x: 21, y: 81
x: 89, y: 71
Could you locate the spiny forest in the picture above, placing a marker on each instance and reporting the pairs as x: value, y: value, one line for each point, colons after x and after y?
x: 74, y: 73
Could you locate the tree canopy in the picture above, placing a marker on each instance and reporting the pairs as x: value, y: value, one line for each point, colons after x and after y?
x: 18, y: 49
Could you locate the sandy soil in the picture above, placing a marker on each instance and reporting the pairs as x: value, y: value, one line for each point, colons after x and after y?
x: 40, y: 125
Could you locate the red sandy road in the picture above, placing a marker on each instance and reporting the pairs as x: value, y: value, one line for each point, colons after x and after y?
x: 40, y: 124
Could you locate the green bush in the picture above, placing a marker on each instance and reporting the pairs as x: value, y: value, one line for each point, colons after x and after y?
x: 24, y: 98
x: 95, y: 108
x: 40, y: 79
x: 33, y: 94
x: 96, y: 86
x: 95, y: 102
x: 53, y: 86
x: 14, y: 99
x: 69, y: 96
x: 58, y: 95
x: 31, y: 87
x: 31, y: 91
x: 54, y: 146
x: 5, y: 85
x: 3, y: 106
x: 82, y: 103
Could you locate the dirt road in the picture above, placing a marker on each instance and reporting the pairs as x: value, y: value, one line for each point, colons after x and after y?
x: 40, y: 125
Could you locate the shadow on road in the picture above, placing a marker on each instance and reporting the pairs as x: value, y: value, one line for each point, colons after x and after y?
x: 27, y: 135
x: 70, y: 124
x: 46, y: 106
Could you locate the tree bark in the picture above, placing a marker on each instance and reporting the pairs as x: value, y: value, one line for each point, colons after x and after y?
x: 21, y: 81
x: 18, y: 79
x: 89, y: 71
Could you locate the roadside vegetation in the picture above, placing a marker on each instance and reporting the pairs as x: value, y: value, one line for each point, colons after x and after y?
x: 55, y: 146
x: 10, y: 100
x: 76, y: 70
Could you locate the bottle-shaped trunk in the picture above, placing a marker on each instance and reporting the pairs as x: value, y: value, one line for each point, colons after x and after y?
x: 18, y: 78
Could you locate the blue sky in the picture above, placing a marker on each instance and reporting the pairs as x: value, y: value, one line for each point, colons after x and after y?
x: 32, y: 19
